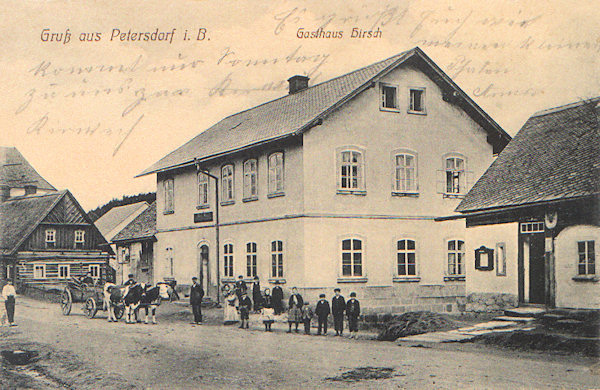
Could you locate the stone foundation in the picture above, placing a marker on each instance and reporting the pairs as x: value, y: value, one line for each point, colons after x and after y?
x: 490, y: 302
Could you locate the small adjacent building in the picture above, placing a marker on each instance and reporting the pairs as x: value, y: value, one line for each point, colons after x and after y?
x: 135, y: 247
x: 533, y: 218
x: 18, y: 177
x: 333, y: 185
x: 48, y: 238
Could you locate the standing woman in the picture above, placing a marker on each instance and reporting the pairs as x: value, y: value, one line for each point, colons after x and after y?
x: 9, y: 294
x: 277, y: 299
x: 295, y: 309
x: 230, y: 314
x: 256, y: 295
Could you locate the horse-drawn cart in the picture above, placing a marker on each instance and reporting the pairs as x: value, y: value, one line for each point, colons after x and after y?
x: 92, y: 297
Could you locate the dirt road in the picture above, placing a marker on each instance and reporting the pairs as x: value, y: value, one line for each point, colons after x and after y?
x: 175, y: 354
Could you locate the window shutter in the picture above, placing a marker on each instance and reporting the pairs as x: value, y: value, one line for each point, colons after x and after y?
x: 338, y: 168
x: 469, y: 179
x: 441, y: 181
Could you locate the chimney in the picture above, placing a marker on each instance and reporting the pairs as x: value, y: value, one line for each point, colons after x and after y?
x: 30, y: 189
x: 4, y: 193
x: 298, y: 83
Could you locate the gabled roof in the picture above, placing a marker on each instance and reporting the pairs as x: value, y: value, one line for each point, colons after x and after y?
x: 142, y: 227
x: 295, y: 113
x: 16, y: 172
x: 20, y: 216
x: 116, y: 216
x: 555, y: 156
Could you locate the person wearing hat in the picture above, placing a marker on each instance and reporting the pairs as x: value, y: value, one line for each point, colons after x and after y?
x: 196, y: 296
x: 338, y: 306
x: 130, y: 280
x: 256, y: 295
x: 352, y: 312
x: 245, y: 307
x: 240, y: 287
x: 322, y: 311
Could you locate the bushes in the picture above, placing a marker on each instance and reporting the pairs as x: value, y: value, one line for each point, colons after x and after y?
x: 412, y: 323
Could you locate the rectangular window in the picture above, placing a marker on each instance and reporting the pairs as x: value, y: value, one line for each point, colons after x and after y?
x: 79, y: 239
x: 277, y: 259
x: 532, y: 227
x: 228, y: 260
x: 456, y: 256
x: 39, y: 271
x: 407, y: 258
x: 417, y: 100
x: 587, y: 258
x: 251, y: 261
x: 389, y: 97
x: 202, y: 189
x: 169, y: 206
x: 94, y: 269
x: 406, y: 173
x: 250, y: 179
x: 455, y: 175
x: 351, y: 170
x: 64, y: 271
x: 352, y: 256
x: 276, y: 173
x: 50, y: 238
x: 227, y: 187
x: 170, y: 264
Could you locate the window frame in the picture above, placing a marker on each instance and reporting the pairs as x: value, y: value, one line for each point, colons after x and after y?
x: 382, y: 96
x: 464, y: 180
x: 396, y: 191
x: 81, y: 241
x: 230, y: 188
x: 459, y: 258
x: 411, y: 109
x: 43, y: 269
x: 228, y: 260
x: 248, y: 194
x: 406, y: 251
x: 68, y: 273
x: 586, y: 260
x: 361, y: 188
x: 50, y: 244
x: 352, y: 277
x: 203, y: 184
x: 277, y: 259
x: 96, y: 267
x: 272, y: 171
x: 169, y: 190
x: 251, y: 259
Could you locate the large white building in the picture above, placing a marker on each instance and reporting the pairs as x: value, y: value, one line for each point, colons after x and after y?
x: 332, y: 185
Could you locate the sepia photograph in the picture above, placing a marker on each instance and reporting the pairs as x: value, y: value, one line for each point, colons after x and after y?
x: 300, y: 194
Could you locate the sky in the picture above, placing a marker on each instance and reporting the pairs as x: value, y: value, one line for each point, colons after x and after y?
x: 94, y: 93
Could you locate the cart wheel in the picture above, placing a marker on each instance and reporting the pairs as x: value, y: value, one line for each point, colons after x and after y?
x: 119, y: 310
x: 66, y: 302
x: 90, y: 308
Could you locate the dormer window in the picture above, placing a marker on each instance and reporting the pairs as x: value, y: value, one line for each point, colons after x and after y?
x: 389, y: 97
x: 417, y: 101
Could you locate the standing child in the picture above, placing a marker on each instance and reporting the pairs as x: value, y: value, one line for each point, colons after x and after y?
x: 267, y: 311
x: 245, y: 307
x: 322, y: 311
x: 307, y: 315
x: 9, y: 294
x: 353, y: 311
x: 295, y: 309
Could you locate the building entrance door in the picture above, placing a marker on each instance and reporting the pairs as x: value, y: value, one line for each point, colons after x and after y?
x: 203, y: 268
x: 534, y: 264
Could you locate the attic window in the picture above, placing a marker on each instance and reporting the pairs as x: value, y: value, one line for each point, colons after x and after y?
x: 50, y: 238
x: 417, y: 101
x: 389, y: 97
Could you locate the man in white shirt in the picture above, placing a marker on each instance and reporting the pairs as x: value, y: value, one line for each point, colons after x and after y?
x: 9, y: 294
